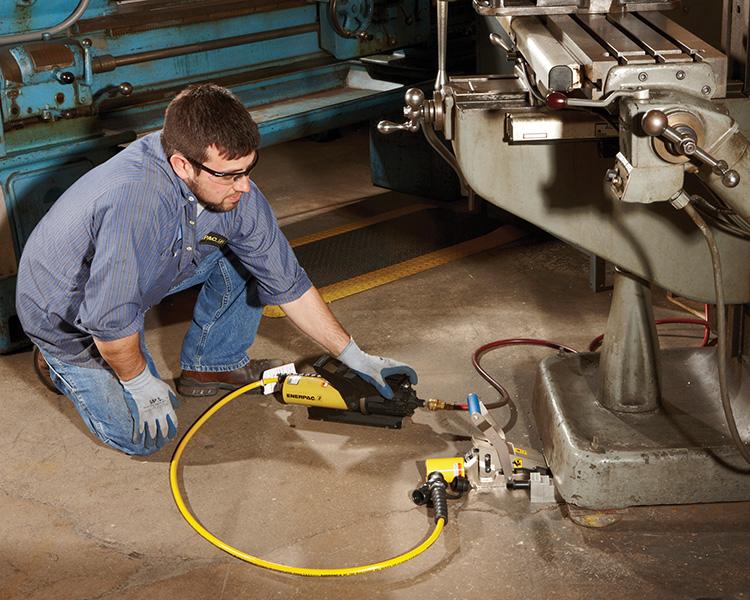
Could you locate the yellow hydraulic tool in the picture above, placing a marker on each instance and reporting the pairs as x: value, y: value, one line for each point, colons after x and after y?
x: 311, y: 390
x: 449, y: 468
x: 336, y: 393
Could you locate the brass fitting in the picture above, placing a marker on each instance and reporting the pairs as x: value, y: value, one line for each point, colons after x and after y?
x: 435, y: 404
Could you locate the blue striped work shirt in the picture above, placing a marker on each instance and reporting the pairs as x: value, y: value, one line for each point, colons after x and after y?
x: 120, y: 237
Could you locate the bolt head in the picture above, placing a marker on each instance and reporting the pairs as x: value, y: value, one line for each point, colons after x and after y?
x: 706, y: 90
x: 680, y: 75
x: 688, y: 147
x: 642, y: 76
x: 65, y: 77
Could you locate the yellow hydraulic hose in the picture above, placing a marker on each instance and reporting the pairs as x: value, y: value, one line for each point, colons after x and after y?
x: 203, y: 532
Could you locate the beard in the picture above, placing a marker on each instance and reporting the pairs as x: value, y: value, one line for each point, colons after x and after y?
x: 215, y: 208
x: 200, y: 196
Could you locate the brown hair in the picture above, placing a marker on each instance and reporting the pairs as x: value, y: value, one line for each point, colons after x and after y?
x: 204, y: 115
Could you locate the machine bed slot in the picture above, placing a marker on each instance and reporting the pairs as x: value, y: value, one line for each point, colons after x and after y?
x: 626, y: 50
x: 655, y: 44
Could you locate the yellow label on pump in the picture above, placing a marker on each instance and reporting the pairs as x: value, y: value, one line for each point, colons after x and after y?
x: 449, y: 467
x: 311, y: 390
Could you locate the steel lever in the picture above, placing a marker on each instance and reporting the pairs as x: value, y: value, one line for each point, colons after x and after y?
x: 498, y: 41
x: 413, y: 111
x: 558, y: 100
x: 428, y: 115
x: 442, y: 35
x: 655, y: 123
x: 388, y: 127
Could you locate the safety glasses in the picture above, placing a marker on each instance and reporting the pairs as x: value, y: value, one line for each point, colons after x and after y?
x: 226, y: 177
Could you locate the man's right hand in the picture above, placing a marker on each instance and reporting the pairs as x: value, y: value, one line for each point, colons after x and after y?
x: 151, y: 402
x: 374, y: 369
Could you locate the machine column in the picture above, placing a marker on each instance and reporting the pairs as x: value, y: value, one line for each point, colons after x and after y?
x: 629, y: 369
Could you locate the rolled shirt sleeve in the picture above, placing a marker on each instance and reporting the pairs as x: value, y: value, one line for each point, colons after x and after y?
x: 261, y: 246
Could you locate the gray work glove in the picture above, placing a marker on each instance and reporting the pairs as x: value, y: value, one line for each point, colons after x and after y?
x: 374, y: 369
x: 151, y: 402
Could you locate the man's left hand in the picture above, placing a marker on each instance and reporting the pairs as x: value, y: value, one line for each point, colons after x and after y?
x: 374, y: 369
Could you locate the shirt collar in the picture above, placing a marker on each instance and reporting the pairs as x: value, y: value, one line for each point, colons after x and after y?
x: 158, y: 149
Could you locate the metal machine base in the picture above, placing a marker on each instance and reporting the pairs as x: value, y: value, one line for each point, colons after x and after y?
x: 679, y: 454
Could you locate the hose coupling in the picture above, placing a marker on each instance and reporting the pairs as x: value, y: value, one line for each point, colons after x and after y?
x: 438, y: 495
x: 435, y: 404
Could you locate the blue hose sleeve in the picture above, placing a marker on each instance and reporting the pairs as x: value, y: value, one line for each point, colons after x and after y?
x: 473, y: 401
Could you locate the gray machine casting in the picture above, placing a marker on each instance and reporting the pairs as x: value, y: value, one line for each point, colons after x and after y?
x: 635, y: 424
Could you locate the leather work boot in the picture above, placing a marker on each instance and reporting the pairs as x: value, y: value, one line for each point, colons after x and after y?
x: 208, y: 383
x: 41, y: 368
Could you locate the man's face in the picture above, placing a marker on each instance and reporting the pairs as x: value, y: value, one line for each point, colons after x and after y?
x: 220, y: 194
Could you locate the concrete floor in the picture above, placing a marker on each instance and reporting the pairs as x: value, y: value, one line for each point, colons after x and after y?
x: 81, y: 521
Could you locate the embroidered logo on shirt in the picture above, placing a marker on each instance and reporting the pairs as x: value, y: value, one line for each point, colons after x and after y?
x: 214, y: 239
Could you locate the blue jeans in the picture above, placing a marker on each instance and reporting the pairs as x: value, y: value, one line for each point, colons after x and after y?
x: 225, y: 321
